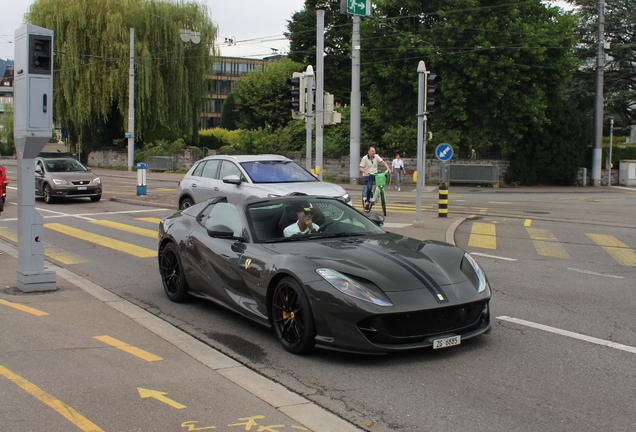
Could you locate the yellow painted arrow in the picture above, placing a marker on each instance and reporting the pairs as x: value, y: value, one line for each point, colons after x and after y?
x: 145, y: 393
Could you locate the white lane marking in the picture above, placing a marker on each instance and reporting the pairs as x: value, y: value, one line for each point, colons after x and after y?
x: 62, y: 214
x: 573, y: 335
x: 493, y: 256
x: 596, y: 274
x: 498, y: 202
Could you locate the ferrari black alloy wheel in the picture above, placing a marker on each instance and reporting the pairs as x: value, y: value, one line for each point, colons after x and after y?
x: 174, y: 283
x: 292, y: 317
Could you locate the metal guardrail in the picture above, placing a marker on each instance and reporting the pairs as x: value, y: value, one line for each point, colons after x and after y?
x: 470, y: 173
x: 159, y: 163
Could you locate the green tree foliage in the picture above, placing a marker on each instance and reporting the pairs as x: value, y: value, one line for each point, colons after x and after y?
x: 261, y: 96
x: 229, y: 114
x: 7, y: 144
x: 92, y: 40
x: 619, y: 74
x: 553, y: 154
x: 337, y: 41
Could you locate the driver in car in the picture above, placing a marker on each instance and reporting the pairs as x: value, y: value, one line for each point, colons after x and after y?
x: 304, y: 224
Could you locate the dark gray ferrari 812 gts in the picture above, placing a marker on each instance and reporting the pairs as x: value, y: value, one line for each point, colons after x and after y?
x: 323, y: 274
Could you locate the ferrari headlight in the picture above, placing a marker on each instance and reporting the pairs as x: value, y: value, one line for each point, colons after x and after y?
x: 350, y: 287
x: 481, y: 276
x: 60, y: 182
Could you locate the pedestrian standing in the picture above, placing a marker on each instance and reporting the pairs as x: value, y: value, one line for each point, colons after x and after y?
x: 398, y: 169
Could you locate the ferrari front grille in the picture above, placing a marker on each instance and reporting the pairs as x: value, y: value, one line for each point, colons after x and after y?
x: 433, y: 321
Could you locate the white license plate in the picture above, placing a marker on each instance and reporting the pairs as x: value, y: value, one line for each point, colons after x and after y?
x: 446, y: 342
x: 81, y: 188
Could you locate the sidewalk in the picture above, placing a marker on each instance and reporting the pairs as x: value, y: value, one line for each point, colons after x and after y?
x: 51, y: 340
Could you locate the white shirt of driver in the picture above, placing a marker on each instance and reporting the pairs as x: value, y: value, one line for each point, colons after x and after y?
x: 295, y: 229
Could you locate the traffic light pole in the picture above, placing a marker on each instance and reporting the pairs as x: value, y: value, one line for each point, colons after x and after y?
x: 421, y: 144
x: 320, y: 70
x: 309, y: 121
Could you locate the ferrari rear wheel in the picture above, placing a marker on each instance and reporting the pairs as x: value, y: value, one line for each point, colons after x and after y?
x: 292, y: 317
x: 172, y: 276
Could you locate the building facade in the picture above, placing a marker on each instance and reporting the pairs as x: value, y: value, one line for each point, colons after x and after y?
x: 225, y: 73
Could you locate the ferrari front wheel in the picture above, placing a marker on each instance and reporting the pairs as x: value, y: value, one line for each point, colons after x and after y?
x: 292, y: 317
x: 172, y: 275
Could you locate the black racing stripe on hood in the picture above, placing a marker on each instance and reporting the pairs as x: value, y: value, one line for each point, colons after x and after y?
x: 420, y: 274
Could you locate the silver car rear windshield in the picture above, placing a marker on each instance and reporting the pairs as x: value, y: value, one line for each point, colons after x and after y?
x: 277, y: 172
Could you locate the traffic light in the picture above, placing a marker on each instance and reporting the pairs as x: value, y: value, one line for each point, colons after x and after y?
x: 432, y: 92
x: 330, y: 116
x: 297, y: 93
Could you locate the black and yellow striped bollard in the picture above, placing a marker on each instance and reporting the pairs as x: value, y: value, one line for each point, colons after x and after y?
x: 443, y: 200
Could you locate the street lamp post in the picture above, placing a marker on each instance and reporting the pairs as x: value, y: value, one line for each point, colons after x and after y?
x: 186, y: 35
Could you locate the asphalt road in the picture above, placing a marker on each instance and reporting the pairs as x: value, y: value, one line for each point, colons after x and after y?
x: 522, y: 377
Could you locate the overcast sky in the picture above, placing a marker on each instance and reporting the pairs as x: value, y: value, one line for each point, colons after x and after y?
x: 256, y: 25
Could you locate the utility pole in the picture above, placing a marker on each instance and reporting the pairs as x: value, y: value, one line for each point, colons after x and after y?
x: 598, y: 105
x: 354, y: 135
x: 320, y: 68
x: 131, y: 103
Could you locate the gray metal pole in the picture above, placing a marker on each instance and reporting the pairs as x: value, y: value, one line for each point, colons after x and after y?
x: 131, y: 103
x: 609, y: 157
x: 598, y: 107
x: 354, y: 125
x: 421, y: 125
x: 309, y: 116
x: 320, y: 67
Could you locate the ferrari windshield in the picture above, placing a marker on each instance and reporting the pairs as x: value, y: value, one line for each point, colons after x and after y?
x: 286, y: 219
x: 63, y: 165
x: 277, y: 172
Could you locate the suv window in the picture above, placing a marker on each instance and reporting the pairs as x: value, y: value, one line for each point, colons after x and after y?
x: 228, y: 168
x: 210, y: 169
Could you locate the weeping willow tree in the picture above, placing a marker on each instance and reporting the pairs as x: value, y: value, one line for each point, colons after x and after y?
x: 92, y: 44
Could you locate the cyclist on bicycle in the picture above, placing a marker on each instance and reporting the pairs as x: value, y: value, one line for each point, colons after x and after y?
x: 369, y: 165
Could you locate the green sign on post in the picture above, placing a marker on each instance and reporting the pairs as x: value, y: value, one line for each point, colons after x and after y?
x: 359, y: 7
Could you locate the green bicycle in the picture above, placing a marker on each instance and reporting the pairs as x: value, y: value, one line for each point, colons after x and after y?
x: 380, y: 181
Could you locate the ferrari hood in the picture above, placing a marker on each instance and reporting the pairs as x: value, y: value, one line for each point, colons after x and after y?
x: 393, y: 263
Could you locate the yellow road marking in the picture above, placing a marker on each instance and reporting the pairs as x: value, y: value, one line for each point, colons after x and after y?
x: 145, y: 355
x: 483, y: 235
x: 127, y: 228
x: 117, y: 245
x: 51, y: 251
x: 145, y: 393
x: 546, y: 243
x: 64, y: 410
x: 23, y: 308
x: 617, y: 249
x: 164, y: 190
x: 149, y: 219
x: 527, y: 222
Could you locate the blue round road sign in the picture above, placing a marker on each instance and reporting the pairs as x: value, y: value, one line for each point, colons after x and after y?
x: 444, y: 152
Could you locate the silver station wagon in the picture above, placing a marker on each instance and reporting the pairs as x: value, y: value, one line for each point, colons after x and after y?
x: 253, y: 176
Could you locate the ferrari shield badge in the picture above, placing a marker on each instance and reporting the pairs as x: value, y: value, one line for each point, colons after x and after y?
x: 439, y: 296
x: 247, y: 263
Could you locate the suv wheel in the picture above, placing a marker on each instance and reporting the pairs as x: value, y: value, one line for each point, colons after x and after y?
x: 185, y: 203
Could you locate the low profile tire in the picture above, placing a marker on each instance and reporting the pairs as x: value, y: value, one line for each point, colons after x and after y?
x: 292, y: 317
x: 96, y: 198
x: 46, y: 191
x: 172, y: 276
x: 185, y: 203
